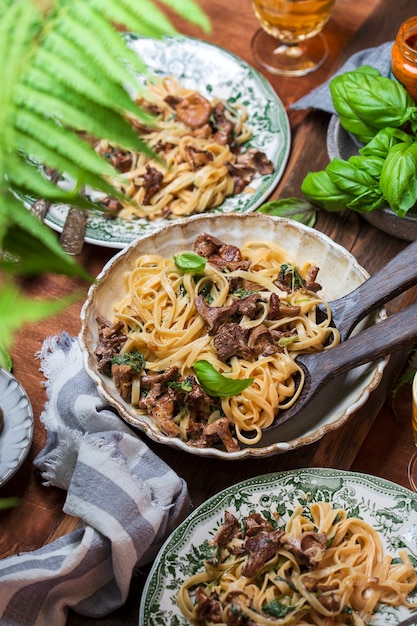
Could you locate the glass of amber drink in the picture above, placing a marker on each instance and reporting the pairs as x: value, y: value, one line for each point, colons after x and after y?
x: 412, y: 466
x: 290, y: 41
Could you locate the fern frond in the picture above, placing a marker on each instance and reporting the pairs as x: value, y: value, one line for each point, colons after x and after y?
x: 101, y: 55
x: 56, y: 137
x: 104, y: 93
x: 59, y: 162
x: 142, y: 18
x: 191, y: 11
x: 75, y: 112
x: 16, y: 32
x: 35, y: 246
x: 28, y: 180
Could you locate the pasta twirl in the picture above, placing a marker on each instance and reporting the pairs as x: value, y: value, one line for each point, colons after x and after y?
x: 218, y: 330
x: 321, y: 568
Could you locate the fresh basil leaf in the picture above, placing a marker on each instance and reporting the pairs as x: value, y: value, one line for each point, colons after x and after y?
x: 399, y: 178
x: 217, y: 385
x: 190, y: 262
x: 366, y: 102
x: 292, y: 208
x: 321, y: 191
x: 383, y: 141
x: 371, y: 164
x: 369, y: 200
x: 349, y: 178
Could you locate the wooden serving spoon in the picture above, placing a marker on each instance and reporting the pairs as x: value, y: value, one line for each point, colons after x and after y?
x: 394, y: 278
x: 393, y: 334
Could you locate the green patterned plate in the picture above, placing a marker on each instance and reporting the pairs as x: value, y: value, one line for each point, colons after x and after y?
x: 389, y: 508
x: 213, y: 72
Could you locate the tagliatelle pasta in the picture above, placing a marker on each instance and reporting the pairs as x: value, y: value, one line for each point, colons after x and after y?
x: 321, y: 568
x: 242, y: 317
x: 199, y: 144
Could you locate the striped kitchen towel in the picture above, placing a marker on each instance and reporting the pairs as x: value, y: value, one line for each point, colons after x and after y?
x: 128, y: 499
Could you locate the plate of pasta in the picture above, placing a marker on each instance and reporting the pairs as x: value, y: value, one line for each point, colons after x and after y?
x: 192, y: 334
x: 309, y: 546
x: 220, y: 129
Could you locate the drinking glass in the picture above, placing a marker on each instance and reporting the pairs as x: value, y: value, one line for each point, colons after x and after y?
x: 290, y: 42
x: 412, y: 466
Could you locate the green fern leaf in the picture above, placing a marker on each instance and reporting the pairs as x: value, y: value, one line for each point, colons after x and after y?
x: 16, y: 310
x: 104, y: 93
x: 98, y: 55
x: 16, y: 29
x: 60, y: 163
x: 28, y: 238
x: 75, y: 112
x: 41, y: 81
x: 27, y: 179
x: 57, y: 138
x: 191, y: 11
x: 143, y: 18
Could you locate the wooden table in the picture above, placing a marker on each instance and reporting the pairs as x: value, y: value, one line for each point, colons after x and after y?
x: 374, y: 441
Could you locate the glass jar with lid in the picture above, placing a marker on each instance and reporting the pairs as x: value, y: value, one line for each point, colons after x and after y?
x: 404, y: 56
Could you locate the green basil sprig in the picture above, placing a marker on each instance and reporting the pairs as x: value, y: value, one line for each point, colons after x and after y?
x: 365, y: 102
x: 217, y: 385
x: 344, y: 184
x: 399, y: 177
x: 190, y: 262
x: 373, y: 108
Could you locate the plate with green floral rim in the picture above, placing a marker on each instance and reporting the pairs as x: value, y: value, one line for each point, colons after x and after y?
x: 212, y: 71
x: 388, y: 507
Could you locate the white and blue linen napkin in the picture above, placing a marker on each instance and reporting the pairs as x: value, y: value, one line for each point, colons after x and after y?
x: 128, y: 499
x: 378, y: 57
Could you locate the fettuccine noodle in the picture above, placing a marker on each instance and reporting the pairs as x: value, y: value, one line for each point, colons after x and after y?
x: 339, y: 574
x: 193, y: 174
x: 161, y: 321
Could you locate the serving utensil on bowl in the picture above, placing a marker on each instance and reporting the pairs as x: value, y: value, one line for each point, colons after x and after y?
x: 394, y: 278
x: 393, y: 334
x: 73, y: 232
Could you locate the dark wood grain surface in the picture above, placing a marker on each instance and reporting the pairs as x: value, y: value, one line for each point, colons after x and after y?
x: 375, y: 440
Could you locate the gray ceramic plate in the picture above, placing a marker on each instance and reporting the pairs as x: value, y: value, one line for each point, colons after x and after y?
x: 213, y: 72
x: 17, y: 433
x: 339, y: 274
x: 341, y: 145
x: 389, y: 508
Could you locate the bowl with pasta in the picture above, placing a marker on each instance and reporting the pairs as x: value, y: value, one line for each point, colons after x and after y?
x: 192, y: 333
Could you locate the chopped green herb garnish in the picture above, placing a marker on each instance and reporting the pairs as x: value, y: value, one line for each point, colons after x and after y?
x: 136, y: 360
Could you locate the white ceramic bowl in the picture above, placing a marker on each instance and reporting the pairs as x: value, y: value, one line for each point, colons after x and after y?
x: 341, y: 145
x: 339, y: 275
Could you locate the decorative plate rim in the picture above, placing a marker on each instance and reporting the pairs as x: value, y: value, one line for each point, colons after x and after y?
x: 119, y: 233
x: 328, y: 484
x: 17, y: 433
